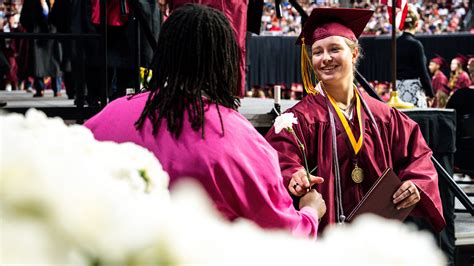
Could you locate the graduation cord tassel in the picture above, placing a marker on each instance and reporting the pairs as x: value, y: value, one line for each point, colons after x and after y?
x: 341, y: 218
x: 372, y: 119
x: 340, y: 210
x: 306, y: 70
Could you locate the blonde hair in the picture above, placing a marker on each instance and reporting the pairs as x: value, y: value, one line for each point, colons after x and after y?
x: 353, y: 45
x: 455, y: 74
x: 411, y: 21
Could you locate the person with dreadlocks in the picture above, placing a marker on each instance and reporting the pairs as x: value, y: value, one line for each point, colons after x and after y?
x: 351, y: 137
x: 189, y: 121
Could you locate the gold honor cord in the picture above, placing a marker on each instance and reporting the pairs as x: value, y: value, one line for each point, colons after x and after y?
x: 357, y: 173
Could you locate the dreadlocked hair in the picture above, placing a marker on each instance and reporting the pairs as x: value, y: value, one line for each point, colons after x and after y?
x: 196, y: 55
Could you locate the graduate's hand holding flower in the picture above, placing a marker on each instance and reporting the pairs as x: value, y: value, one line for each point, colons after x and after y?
x: 297, y: 186
x: 314, y: 199
x: 300, y: 184
x: 406, y: 195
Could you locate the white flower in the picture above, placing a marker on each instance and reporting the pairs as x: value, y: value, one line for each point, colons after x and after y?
x: 209, y: 239
x: 285, y: 121
x: 371, y: 240
x: 103, y: 199
x: 28, y: 241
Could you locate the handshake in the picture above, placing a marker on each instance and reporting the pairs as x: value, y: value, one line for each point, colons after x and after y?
x: 300, y: 186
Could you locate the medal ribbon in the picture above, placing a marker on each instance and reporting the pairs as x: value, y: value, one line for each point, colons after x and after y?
x: 356, y: 145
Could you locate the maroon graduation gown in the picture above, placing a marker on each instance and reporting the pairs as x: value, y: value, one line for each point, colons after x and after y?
x: 236, y: 13
x: 463, y: 81
x: 400, y: 146
x: 440, y: 82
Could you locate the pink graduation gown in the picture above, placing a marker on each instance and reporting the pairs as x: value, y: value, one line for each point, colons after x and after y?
x: 239, y: 170
x: 399, y: 146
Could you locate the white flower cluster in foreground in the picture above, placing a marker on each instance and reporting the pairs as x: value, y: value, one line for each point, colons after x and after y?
x: 68, y: 199
x: 66, y: 196
x: 370, y: 240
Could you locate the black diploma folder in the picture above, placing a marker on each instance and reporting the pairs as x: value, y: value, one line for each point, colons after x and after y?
x: 378, y: 199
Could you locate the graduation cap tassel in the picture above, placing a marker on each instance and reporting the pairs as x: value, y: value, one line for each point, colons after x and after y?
x: 306, y: 70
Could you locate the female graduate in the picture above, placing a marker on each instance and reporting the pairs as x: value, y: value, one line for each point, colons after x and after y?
x: 458, y: 78
x: 351, y: 137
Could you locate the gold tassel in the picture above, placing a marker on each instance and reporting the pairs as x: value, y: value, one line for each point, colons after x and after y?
x: 306, y: 70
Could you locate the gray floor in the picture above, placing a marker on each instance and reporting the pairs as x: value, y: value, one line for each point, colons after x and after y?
x: 464, y: 222
x: 25, y: 99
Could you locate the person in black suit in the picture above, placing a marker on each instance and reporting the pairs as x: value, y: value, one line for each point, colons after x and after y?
x: 413, y: 79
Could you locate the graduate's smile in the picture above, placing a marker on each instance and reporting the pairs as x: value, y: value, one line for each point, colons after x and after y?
x: 329, y: 69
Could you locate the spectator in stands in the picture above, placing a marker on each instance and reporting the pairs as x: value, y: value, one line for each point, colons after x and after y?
x: 439, y: 81
x: 191, y: 117
x: 334, y: 112
x: 413, y: 80
x: 434, y: 18
x: 458, y: 78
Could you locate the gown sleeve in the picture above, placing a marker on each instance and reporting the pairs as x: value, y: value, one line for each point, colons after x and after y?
x: 253, y: 189
x: 464, y: 81
x: 411, y: 158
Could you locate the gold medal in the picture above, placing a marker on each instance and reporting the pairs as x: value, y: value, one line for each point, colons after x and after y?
x: 357, y: 174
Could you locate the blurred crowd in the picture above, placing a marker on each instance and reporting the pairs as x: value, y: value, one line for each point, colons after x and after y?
x: 290, y: 22
x: 439, y: 16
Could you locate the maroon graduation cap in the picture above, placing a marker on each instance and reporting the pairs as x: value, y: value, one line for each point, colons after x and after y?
x: 471, y: 58
x: 439, y: 60
x: 326, y: 22
x: 461, y: 59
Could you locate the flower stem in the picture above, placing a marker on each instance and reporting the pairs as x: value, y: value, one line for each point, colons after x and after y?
x: 314, y: 169
x: 301, y: 146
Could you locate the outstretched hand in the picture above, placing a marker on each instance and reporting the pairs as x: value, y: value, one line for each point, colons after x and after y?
x: 299, y: 183
x: 314, y: 200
